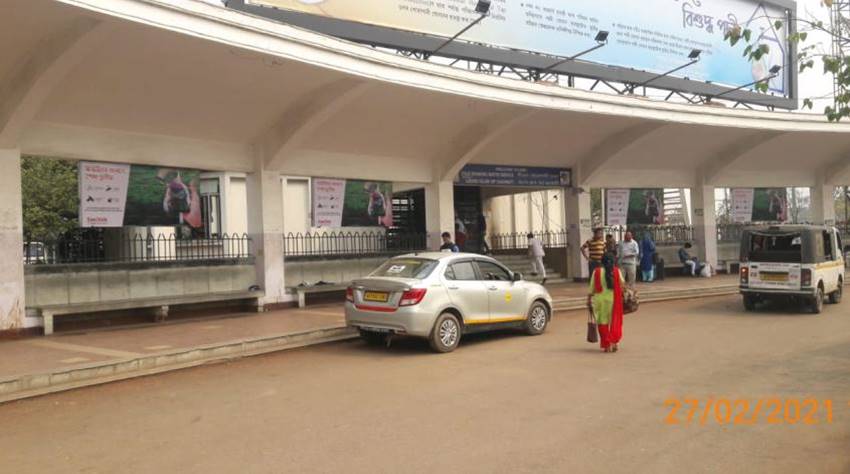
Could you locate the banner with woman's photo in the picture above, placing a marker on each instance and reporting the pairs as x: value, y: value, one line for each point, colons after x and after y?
x: 351, y: 203
x: 634, y: 206
x: 116, y: 195
x: 760, y: 205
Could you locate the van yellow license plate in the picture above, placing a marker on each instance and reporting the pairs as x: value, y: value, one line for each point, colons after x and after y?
x: 778, y: 277
x: 376, y: 296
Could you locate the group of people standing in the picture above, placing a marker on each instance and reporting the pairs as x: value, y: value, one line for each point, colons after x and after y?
x: 629, y: 255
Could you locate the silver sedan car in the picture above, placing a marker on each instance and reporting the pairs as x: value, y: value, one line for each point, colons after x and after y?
x: 441, y: 296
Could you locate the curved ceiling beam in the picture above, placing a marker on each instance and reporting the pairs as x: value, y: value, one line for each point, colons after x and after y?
x: 36, y: 76
x: 590, y: 165
x: 307, y: 115
x: 838, y: 169
x: 735, y: 153
x: 474, y: 140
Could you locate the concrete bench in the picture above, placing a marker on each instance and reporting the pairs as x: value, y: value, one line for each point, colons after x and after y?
x: 161, y: 304
x: 303, y: 291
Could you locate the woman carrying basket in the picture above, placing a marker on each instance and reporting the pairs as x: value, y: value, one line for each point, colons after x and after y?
x: 606, y: 303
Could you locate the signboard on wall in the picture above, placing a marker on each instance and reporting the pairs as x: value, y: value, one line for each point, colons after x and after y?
x: 634, y: 206
x: 514, y: 176
x: 760, y: 204
x: 648, y: 35
x: 116, y: 195
x: 351, y: 203
x: 103, y: 194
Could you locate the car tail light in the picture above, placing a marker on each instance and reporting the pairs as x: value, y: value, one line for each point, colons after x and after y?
x: 349, y: 294
x: 745, y: 275
x: 412, y: 297
x: 805, y: 277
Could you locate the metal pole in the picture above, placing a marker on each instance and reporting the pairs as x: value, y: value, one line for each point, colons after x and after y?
x: 450, y: 40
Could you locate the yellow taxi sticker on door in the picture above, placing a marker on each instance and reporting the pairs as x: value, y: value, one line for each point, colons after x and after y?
x: 508, y: 297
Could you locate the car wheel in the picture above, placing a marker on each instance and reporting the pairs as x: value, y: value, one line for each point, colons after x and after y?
x: 538, y: 319
x: 835, y: 296
x: 817, y: 302
x: 750, y: 302
x: 446, y: 333
x: 373, y: 338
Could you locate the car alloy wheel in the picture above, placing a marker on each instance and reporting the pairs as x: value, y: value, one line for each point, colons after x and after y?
x: 538, y: 318
x: 446, y: 334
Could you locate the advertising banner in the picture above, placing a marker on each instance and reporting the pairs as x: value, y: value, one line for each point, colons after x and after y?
x: 116, y: 195
x: 103, y: 194
x: 649, y: 35
x: 764, y: 205
x: 742, y: 204
x: 616, y: 206
x: 514, y: 176
x: 351, y: 203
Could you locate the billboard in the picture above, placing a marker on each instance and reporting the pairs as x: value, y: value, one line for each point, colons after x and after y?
x: 634, y: 206
x: 116, y: 195
x: 351, y: 203
x: 514, y: 176
x: 649, y: 35
x: 760, y: 205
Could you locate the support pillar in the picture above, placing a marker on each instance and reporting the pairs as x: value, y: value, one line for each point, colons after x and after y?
x: 577, y: 217
x: 704, y: 219
x: 439, y: 211
x: 12, y: 289
x: 823, y: 202
x: 265, y: 226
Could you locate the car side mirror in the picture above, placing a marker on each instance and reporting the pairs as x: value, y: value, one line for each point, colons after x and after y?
x: 517, y: 276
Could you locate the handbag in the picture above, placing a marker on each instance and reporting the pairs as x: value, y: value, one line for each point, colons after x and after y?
x: 631, y: 302
x: 592, y: 332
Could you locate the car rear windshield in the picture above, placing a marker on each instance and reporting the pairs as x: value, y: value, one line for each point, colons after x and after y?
x: 417, y: 268
x: 779, y: 248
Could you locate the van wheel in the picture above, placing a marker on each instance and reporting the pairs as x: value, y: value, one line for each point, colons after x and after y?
x: 446, y: 333
x: 817, y: 302
x: 538, y: 319
x: 750, y: 302
x: 835, y: 296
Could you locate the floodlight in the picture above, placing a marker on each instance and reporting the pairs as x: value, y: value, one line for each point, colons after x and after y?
x: 483, y: 7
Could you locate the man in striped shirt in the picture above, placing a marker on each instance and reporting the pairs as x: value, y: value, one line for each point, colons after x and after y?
x: 593, y: 250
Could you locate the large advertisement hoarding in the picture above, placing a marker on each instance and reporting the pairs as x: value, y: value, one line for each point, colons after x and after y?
x: 649, y: 35
x: 760, y: 205
x: 351, y: 203
x: 116, y: 195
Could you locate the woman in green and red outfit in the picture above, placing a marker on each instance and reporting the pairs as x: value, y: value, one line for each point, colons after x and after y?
x: 606, y: 302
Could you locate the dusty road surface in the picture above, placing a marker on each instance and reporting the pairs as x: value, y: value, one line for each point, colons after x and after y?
x: 501, y: 403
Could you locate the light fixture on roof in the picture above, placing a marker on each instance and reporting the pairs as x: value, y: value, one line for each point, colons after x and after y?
x: 601, y: 40
x: 693, y: 57
x: 774, y: 71
x: 482, y: 8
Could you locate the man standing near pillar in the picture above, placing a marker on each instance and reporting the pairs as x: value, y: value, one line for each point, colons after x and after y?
x: 593, y: 250
x: 627, y: 254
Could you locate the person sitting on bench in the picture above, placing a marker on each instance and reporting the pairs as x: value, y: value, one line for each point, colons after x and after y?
x: 690, y: 264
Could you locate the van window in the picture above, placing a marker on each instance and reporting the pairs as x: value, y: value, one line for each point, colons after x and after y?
x: 780, y: 248
x: 827, y: 247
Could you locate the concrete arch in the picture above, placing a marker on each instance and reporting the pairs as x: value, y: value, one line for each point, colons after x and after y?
x: 306, y: 116
x: 734, y: 153
x: 837, y: 171
x: 594, y: 162
x: 30, y: 82
x: 474, y: 140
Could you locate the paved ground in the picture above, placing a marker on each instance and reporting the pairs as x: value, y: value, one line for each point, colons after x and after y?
x: 501, y: 403
x: 75, y: 348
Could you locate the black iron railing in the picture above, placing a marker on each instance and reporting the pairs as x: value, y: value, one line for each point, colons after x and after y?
x: 519, y: 240
x: 126, y: 249
x: 661, y: 234
x: 349, y: 244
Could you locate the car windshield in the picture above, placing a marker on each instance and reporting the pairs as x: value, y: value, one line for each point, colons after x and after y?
x: 779, y: 248
x: 416, y: 268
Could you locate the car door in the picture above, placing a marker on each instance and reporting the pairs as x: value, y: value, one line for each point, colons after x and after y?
x: 507, y: 300
x: 467, y: 292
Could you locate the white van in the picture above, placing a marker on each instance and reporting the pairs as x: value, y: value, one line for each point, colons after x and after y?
x: 798, y: 263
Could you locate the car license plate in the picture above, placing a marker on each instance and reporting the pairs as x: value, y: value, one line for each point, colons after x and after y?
x: 376, y: 296
x: 778, y: 277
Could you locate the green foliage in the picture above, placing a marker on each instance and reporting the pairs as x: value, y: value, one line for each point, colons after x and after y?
x: 806, y: 55
x: 50, y: 197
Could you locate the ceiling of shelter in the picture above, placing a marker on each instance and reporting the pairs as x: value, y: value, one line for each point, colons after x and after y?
x: 147, y: 80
